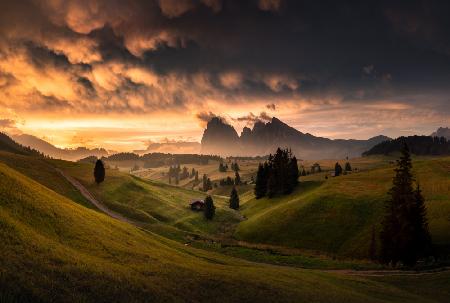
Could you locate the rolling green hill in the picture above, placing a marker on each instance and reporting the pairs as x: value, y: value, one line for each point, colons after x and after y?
x: 56, y: 250
x: 336, y: 215
x: 159, y: 204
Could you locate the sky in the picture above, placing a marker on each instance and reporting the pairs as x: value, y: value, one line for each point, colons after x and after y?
x: 119, y: 74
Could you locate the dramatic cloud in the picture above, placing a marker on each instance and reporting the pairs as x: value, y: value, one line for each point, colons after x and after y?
x: 271, y: 107
x: 178, y: 58
x: 251, y: 118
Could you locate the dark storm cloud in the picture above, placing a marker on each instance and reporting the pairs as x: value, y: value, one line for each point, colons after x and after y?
x: 187, y: 50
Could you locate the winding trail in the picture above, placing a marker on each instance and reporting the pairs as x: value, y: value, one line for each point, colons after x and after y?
x: 86, y: 194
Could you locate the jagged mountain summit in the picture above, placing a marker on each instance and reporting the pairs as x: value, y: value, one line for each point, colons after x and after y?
x: 221, y: 138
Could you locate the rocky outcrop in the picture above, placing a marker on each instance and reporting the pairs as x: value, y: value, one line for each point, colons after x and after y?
x: 221, y: 138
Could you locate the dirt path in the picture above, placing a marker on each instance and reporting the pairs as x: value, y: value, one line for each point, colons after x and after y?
x: 86, y: 194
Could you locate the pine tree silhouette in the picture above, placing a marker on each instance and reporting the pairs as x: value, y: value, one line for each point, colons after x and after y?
x: 405, y: 237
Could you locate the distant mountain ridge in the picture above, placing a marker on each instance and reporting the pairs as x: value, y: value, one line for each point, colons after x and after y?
x: 58, y: 153
x: 442, y: 132
x: 222, y: 139
x: 418, y: 145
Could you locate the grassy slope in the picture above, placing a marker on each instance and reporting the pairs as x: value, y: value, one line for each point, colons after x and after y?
x: 39, y: 170
x: 56, y: 250
x: 151, y: 201
x: 337, y: 215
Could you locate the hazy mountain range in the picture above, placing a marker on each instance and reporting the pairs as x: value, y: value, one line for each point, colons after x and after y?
x: 442, y: 132
x: 221, y: 138
x: 177, y: 147
x: 58, y: 153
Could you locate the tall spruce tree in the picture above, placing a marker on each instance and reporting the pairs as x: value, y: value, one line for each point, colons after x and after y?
x: 210, y: 209
x: 337, y: 169
x: 99, y: 171
x: 234, y: 199
x: 404, y: 237
x: 237, y: 178
x: 261, y: 182
x: 348, y: 167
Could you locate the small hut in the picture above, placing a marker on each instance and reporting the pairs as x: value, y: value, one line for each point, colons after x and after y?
x: 197, y: 205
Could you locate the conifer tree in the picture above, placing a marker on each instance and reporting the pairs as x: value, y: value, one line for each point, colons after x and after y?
x: 99, y: 171
x: 234, y: 199
x: 261, y: 182
x: 271, y: 186
x: 237, y: 178
x: 210, y: 209
x: 348, y: 167
x: 404, y: 237
x: 337, y: 169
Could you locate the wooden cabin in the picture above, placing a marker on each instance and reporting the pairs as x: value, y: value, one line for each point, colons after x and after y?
x: 197, y: 205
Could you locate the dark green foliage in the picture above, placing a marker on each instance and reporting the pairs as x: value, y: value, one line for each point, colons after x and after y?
x: 234, y: 199
x: 235, y: 167
x: 405, y: 237
x: 99, y: 171
x: 373, y: 245
x: 419, y: 145
x: 184, y: 173
x: 348, y: 167
x: 279, y: 175
x: 227, y: 181
x: 174, y: 172
x: 261, y: 181
x: 161, y: 159
x: 337, y: 169
x: 210, y: 209
x: 9, y: 145
x: 222, y: 168
x: 237, y: 178
x: 207, y: 184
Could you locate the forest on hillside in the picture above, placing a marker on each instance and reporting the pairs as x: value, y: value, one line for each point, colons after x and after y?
x: 418, y: 145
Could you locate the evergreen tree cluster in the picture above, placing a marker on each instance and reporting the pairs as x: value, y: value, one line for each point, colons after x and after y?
x: 337, y: 169
x: 418, y: 145
x: 235, y: 167
x: 207, y: 184
x: 99, y: 171
x: 210, y: 209
x: 278, y: 175
x: 404, y: 237
x: 223, y: 167
x: 227, y: 181
x: 234, y: 199
x: 348, y: 167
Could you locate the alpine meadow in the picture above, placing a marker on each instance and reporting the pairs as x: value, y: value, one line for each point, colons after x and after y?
x: 224, y: 151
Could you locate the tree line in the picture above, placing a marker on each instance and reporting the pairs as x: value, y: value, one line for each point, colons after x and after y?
x: 278, y: 175
x: 418, y: 145
x: 162, y: 159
